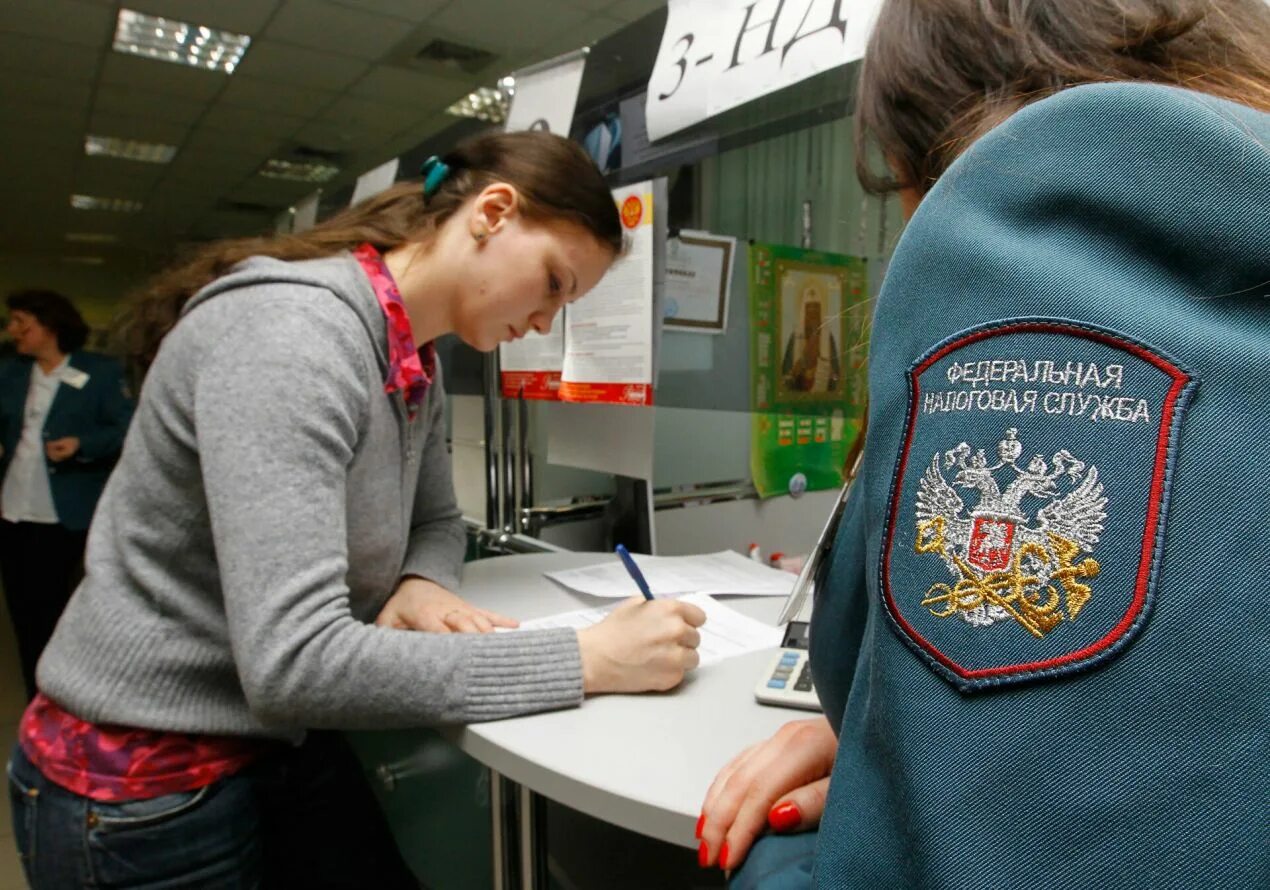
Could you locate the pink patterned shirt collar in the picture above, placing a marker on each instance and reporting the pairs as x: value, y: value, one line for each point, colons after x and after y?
x: 410, y: 368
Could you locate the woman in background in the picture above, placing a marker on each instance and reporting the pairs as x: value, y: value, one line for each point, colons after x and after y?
x: 1041, y: 640
x: 281, y: 526
x: 63, y: 416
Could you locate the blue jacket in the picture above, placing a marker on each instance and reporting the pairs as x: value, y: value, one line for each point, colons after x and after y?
x: 1045, y: 627
x: 97, y: 414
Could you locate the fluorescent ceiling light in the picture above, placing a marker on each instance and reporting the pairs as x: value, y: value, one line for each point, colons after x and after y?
x: 91, y: 238
x: 84, y: 260
x: 92, y: 202
x: 298, y: 171
x: 169, y: 40
x: 486, y: 103
x: 129, y: 149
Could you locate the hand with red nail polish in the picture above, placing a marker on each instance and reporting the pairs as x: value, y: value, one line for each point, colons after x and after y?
x: 779, y: 783
x: 785, y: 816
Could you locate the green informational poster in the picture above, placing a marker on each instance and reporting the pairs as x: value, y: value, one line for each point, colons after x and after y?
x: 809, y: 327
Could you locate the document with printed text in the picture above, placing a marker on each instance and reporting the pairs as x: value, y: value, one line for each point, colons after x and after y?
x: 725, y: 634
x: 719, y: 574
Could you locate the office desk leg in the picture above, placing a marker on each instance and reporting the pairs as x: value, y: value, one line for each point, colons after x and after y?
x: 519, y: 835
x: 533, y: 840
x: 504, y: 832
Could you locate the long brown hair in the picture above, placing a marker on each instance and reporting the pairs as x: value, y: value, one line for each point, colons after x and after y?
x: 938, y: 74
x: 555, y: 177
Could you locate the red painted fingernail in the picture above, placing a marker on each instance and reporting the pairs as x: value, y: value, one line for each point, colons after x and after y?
x: 703, y: 855
x: 701, y: 823
x: 784, y: 816
x: 723, y: 856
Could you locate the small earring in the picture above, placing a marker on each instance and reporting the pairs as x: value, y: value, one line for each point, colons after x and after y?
x: 479, y: 236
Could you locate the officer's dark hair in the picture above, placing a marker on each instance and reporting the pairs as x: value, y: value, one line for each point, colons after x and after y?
x: 56, y: 313
x: 938, y: 74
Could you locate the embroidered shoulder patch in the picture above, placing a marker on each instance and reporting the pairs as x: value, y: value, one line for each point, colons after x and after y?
x: 1027, y: 509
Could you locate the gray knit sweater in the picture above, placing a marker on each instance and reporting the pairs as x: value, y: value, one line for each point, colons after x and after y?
x: 268, y: 499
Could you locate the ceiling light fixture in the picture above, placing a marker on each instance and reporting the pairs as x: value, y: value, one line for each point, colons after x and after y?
x: 84, y: 260
x: 91, y: 238
x: 129, y: 149
x: 486, y: 103
x: 298, y: 171
x: 181, y: 43
x: 92, y: 202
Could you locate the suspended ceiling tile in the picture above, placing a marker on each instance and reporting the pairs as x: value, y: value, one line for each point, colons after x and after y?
x: 210, y: 168
x: 326, y: 136
x: 510, y: 26
x: 634, y: 10
x: 133, y: 102
x: 21, y: 88
x: 232, y: 224
x: 170, y: 79
x: 51, y: 58
x: 35, y: 124
x: 307, y: 68
x: 68, y: 21
x: 239, y: 16
x: 240, y: 143
x: 413, y: 10
x: 590, y: 32
x: 146, y: 128
x: 279, y: 193
x: 271, y: 96
x: 406, y: 141
x: 372, y: 118
x: 231, y: 119
x: 105, y: 172
x: 93, y: 179
x: 337, y: 29
x: 422, y: 92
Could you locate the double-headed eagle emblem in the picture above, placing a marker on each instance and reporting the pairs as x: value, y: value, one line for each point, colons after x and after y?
x: 1003, y: 564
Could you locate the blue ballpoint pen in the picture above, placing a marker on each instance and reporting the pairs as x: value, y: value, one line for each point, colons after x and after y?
x: 633, y: 571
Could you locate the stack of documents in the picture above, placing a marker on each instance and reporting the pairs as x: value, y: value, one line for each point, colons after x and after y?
x: 719, y: 574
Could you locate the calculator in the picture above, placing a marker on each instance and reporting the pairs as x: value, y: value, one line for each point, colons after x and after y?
x: 787, y: 680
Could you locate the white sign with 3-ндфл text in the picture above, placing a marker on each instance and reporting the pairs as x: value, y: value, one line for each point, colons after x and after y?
x: 718, y: 54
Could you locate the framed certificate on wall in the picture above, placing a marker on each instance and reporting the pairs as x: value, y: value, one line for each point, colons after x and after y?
x: 698, y: 281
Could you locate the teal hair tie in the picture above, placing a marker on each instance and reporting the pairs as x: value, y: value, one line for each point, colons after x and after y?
x: 434, y: 172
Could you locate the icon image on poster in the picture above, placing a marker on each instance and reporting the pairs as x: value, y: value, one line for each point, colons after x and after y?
x: 810, y: 358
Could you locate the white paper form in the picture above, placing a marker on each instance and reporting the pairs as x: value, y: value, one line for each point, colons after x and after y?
x: 725, y: 634
x: 531, y: 366
x: 721, y: 574
x: 609, y: 335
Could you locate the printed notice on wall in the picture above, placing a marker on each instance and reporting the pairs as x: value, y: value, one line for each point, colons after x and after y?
x: 602, y: 348
x: 546, y: 94
x: 609, y: 334
x: 531, y: 366
x: 718, y: 54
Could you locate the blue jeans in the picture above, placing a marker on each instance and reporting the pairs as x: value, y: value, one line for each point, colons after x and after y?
x: 207, y: 839
x: 300, y: 817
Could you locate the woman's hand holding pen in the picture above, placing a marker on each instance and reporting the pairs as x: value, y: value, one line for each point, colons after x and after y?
x: 641, y: 646
x: 420, y: 604
x: 779, y: 784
